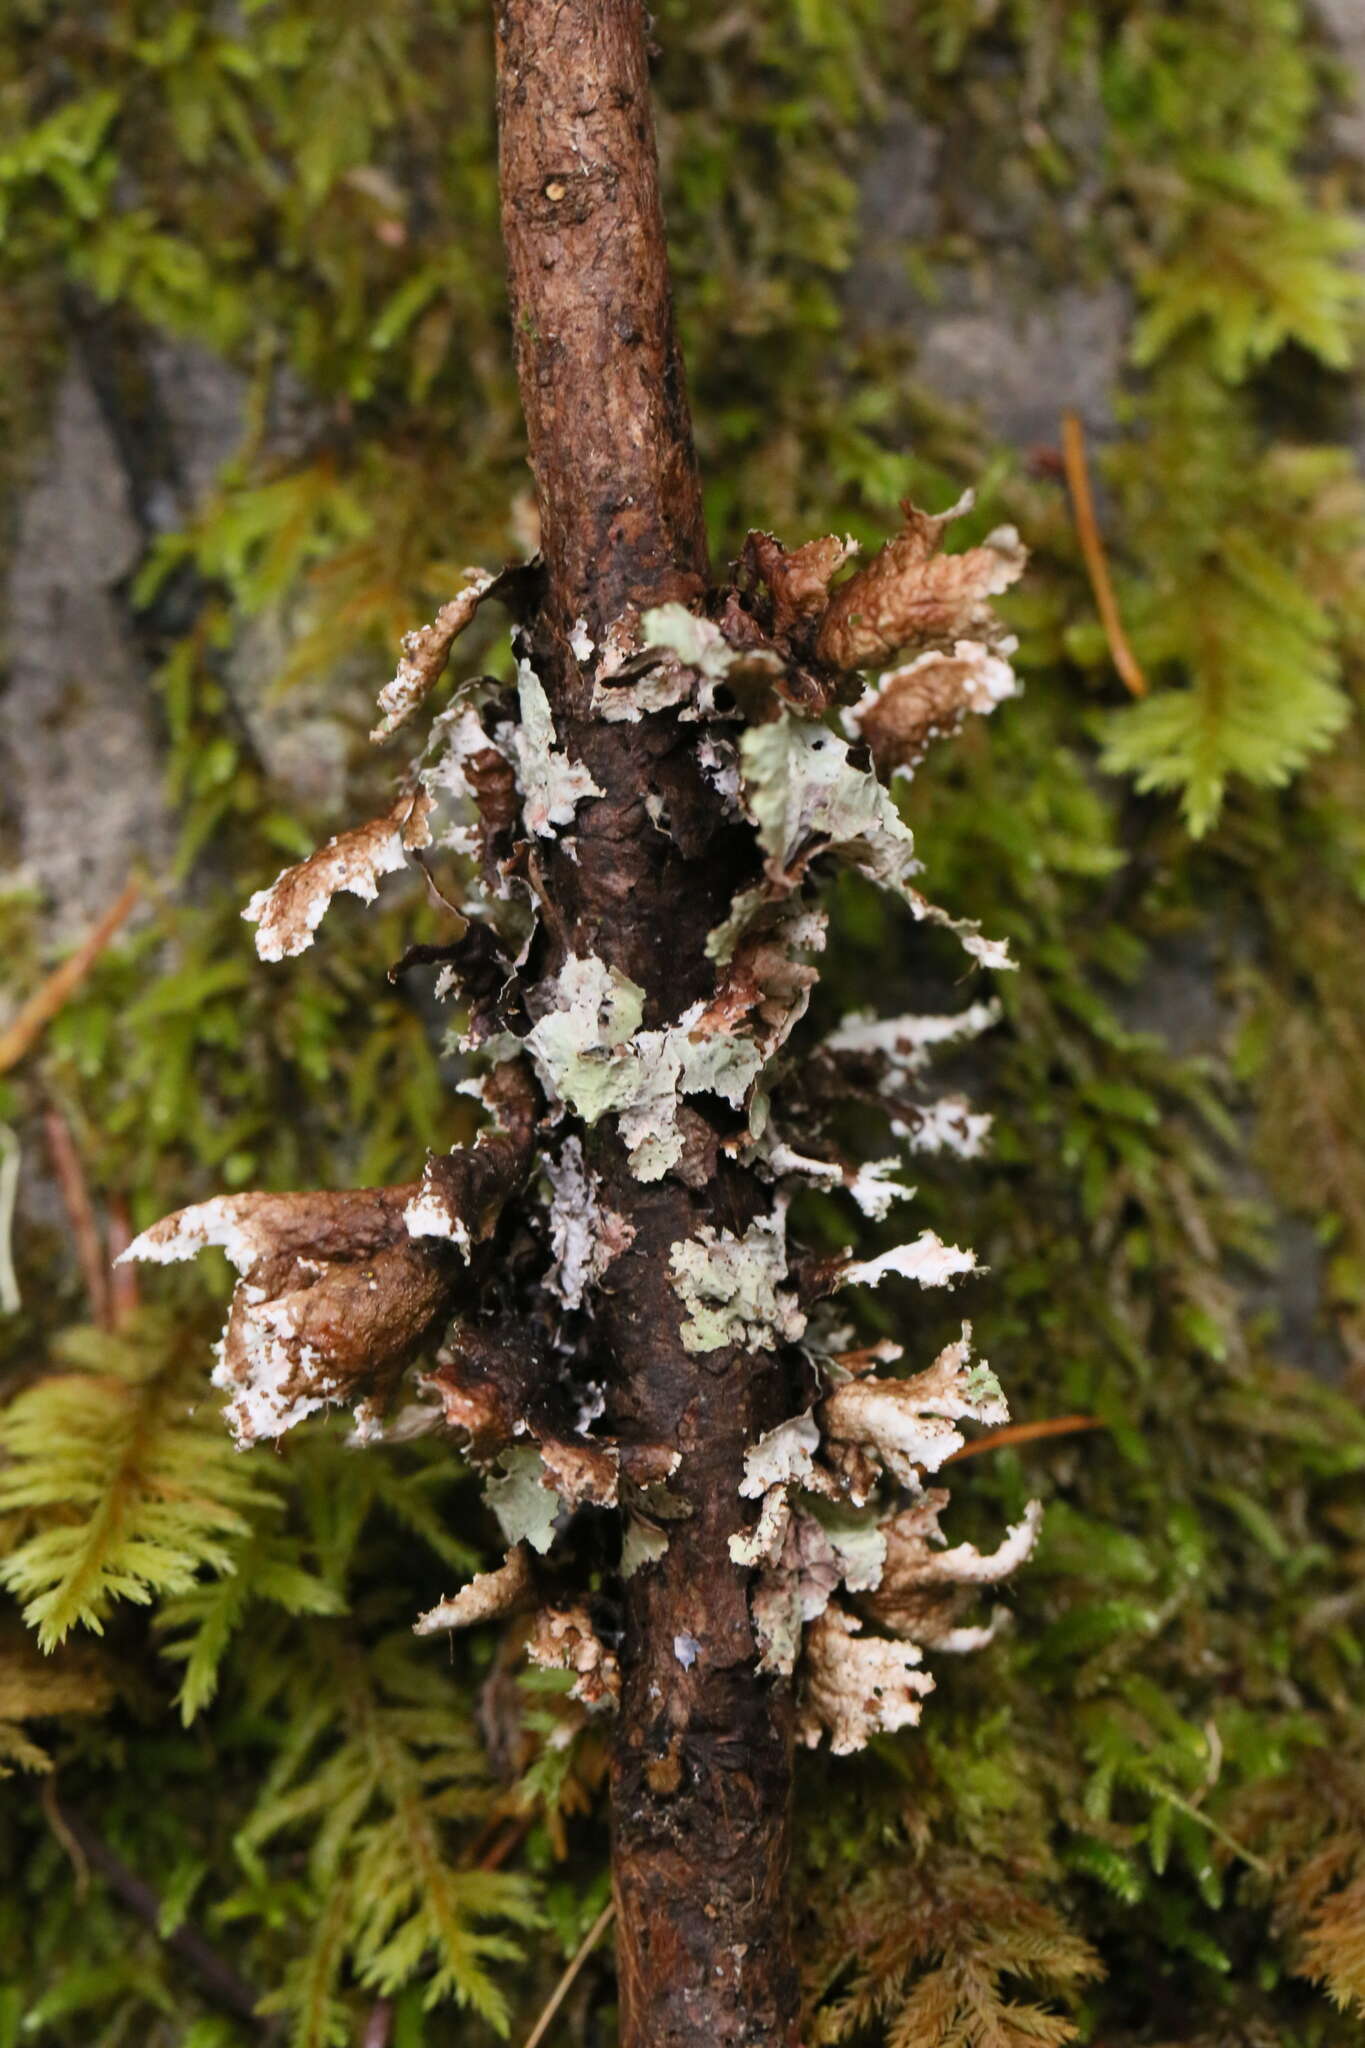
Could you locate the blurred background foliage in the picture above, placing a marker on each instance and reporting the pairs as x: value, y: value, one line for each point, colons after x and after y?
x: 255, y: 249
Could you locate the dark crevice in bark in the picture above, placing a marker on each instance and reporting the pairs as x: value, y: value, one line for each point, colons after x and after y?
x: 701, y: 1778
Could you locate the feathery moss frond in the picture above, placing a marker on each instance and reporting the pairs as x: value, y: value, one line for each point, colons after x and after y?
x: 935, y: 1953
x: 308, y: 1994
x: 376, y: 1782
x: 125, y: 1482
x: 203, y: 1621
x: 1236, y: 607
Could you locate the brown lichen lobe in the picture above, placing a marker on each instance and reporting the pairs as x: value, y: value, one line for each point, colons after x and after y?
x: 485, y: 1597
x: 913, y: 596
x: 927, y: 700
x: 336, y: 1294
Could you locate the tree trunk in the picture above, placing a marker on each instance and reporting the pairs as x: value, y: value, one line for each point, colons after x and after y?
x: 701, y: 1778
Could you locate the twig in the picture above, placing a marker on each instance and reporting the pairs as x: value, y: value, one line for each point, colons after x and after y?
x: 219, y: 1980
x: 565, y: 1984
x: 379, y: 2025
x: 1219, y: 1833
x: 503, y: 1831
x: 75, y: 1194
x: 56, y: 1820
x: 123, y: 1290
x: 1026, y: 1433
x: 1092, y: 548
x: 43, y: 1005
x: 500, y: 1848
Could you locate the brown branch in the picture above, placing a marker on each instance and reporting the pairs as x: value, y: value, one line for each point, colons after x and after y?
x: 71, y: 1848
x: 505, y: 1843
x: 26, y: 1028
x: 124, y: 1294
x: 1026, y: 1433
x: 601, y: 377
x: 701, y: 1770
x: 379, y: 2025
x: 218, y: 1980
x: 1092, y: 548
x: 75, y: 1194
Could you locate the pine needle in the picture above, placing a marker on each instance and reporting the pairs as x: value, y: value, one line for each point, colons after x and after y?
x: 1027, y: 1433
x: 1092, y: 548
x: 565, y: 1984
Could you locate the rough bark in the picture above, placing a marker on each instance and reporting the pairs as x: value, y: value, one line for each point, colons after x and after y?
x: 703, y: 1751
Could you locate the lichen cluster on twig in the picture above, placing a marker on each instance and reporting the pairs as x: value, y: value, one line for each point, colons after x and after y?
x: 339, y: 1292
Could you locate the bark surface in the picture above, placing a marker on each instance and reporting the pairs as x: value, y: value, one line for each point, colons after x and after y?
x: 702, y: 1766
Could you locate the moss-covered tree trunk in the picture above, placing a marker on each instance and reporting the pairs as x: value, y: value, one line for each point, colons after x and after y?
x: 703, y: 1746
